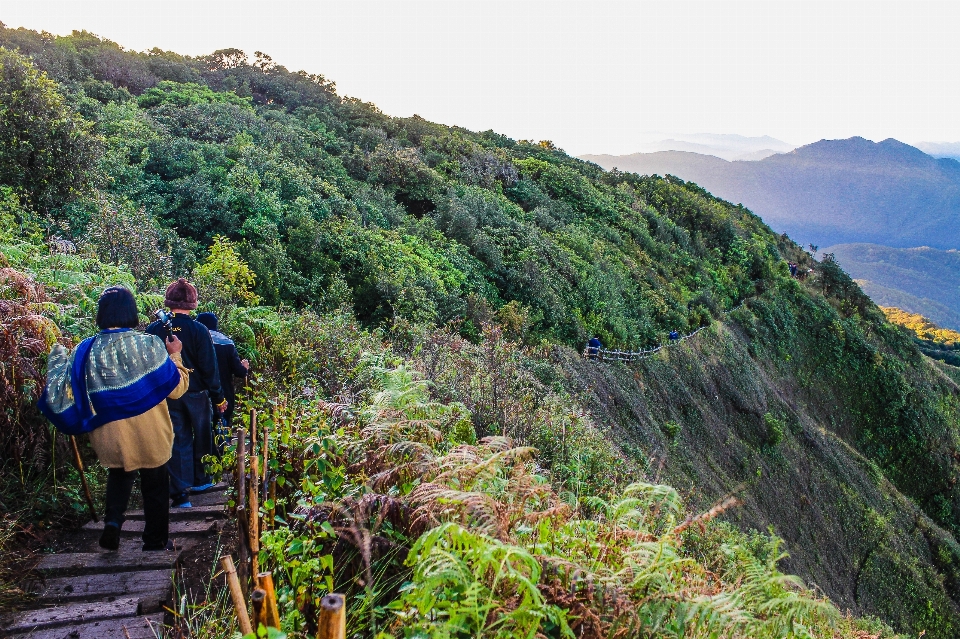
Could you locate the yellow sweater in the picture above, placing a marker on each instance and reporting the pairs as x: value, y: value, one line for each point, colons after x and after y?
x: 143, y: 441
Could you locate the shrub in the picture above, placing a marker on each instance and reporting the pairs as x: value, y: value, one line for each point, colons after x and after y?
x: 776, y: 429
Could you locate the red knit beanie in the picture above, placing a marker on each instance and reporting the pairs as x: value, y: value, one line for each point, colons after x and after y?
x: 181, y: 295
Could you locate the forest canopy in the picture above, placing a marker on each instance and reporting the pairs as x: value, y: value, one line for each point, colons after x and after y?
x: 416, y: 219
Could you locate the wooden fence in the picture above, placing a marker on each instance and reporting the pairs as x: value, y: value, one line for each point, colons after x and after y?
x: 609, y: 355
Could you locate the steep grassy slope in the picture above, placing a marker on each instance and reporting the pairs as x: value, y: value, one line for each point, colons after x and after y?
x: 713, y: 420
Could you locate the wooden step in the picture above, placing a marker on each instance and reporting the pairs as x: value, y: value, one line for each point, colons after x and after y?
x: 75, y: 613
x: 178, y: 514
x: 177, y: 528
x: 218, y: 498
x: 147, y: 584
x: 90, y: 563
x: 146, y: 627
x: 216, y: 488
x: 130, y: 545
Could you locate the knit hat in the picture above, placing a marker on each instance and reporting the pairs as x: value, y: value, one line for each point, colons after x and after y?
x: 181, y: 295
x: 209, y: 320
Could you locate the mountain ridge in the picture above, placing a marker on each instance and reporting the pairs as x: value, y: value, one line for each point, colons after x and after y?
x: 916, y: 279
x: 830, y: 191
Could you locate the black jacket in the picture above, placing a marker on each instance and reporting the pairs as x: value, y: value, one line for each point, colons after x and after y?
x: 228, y: 361
x: 198, y: 354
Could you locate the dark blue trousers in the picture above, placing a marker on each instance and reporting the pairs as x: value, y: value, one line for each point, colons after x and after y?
x: 192, y: 417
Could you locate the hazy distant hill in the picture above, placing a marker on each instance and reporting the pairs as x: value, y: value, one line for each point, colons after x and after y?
x: 921, y: 280
x: 940, y: 149
x: 830, y: 192
x: 726, y: 146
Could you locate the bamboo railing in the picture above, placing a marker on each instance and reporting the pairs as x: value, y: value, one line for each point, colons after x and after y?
x: 246, y: 582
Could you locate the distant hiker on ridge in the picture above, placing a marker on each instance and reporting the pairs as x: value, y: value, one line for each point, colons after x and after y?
x: 593, y: 347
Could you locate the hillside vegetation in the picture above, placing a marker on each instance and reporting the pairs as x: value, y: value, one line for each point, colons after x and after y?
x: 414, y: 297
x: 922, y: 327
x: 934, y: 341
x: 916, y: 279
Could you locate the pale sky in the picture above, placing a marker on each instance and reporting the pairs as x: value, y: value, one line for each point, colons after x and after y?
x: 594, y: 77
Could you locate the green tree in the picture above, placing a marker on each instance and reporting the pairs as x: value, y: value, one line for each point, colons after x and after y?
x: 185, y: 94
x: 224, y: 278
x: 46, y: 150
x: 125, y: 235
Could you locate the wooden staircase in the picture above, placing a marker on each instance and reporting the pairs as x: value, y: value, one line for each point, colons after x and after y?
x: 100, y: 594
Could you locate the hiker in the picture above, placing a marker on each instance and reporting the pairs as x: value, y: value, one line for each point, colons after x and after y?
x: 124, y: 377
x: 593, y: 347
x: 674, y: 335
x: 229, y: 364
x: 793, y: 269
x: 191, y: 413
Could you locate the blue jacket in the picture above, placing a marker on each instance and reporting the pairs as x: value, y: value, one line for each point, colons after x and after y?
x: 228, y: 362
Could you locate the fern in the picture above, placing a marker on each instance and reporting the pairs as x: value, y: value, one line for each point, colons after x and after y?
x: 471, y: 584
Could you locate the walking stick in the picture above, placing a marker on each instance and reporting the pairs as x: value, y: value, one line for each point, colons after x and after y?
x: 83, y: 479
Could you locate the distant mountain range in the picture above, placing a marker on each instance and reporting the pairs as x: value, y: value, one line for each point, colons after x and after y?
x: 829, y: 192
x: 725, y: 146
x: 940, y: 149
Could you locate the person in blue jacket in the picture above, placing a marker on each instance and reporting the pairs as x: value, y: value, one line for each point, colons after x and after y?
x: 593, y: 347
x: 228, y: 363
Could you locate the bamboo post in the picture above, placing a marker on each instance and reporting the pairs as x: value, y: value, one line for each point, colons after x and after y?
x: 83, y: 478
x: 253, y: 504
x: 241, y: 478
x: 243, y: 542
x: 266, y: 467
x: 271, y: 612
x: 236, y: 593
x: 243, y: 550
x: 272, y: 496
x: 333, y: 618
x: 258, y: 599
x: 253, y: 526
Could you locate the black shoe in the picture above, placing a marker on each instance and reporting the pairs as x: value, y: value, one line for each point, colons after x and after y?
x: 169, y: 546
x: 110, y: 537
